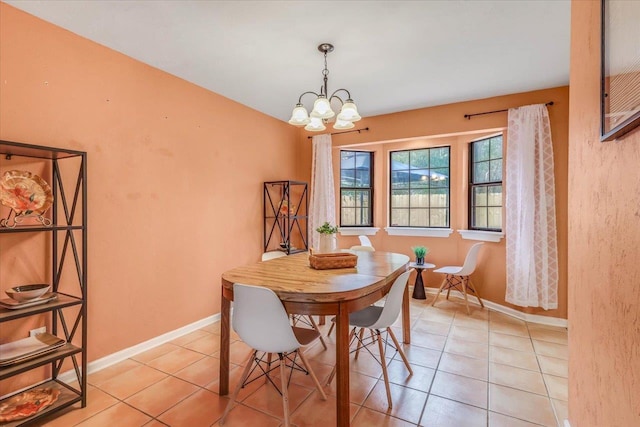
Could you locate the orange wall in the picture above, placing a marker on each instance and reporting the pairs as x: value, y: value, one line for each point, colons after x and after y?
x: 171, y: 205
x: 604, y: 237
x: 175, y: 179
x: 442, y: 125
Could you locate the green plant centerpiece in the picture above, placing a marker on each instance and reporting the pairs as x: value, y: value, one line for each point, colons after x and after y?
x: 328, y: 241
x: 327, y: 228
x: 420, y: 252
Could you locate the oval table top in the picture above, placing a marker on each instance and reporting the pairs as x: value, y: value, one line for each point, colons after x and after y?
x: 293, y: 280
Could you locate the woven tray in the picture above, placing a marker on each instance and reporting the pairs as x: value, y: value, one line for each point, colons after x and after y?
x: 332, y: 260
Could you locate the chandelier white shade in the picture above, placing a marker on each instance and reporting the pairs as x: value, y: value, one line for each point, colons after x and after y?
x: 315, y: 125
x: 299, y: 117
x: 343, y: 124
x: 322, y: 110
x: 349, y: 112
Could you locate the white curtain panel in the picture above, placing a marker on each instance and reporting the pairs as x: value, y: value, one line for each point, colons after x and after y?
x: 323, y: 201
x: 532, y: 254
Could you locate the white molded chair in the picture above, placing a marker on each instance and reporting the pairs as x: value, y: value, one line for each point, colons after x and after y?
x: 362, y: 248
x: 273, y: 255
x: 364, y: 241
x: 458, y: 277
x: 260, y: 320
x: 267, y: 256
x: 376, y: 318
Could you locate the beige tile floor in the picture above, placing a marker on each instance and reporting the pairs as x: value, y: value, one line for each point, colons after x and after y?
x: 483, y: 369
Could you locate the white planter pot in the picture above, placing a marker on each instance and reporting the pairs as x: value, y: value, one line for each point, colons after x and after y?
x: 328, y: 243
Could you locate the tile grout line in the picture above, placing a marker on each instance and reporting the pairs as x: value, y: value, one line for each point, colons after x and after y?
x: 513, y: 388
x: 488, y: 365
x: 424, y: 407
x: 544, y: 380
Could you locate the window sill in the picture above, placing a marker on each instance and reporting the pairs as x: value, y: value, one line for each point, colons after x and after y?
x: 485, y: 236
x: 358, y: 231
x: 418, y: 232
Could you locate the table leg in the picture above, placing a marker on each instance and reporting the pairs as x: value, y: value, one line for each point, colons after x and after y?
x: 406, y: 317
x: 418, y: 287
x: 225, y: 338
x: 342, y: 366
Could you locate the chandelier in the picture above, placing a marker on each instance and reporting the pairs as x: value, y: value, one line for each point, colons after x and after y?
x: 322, y: 110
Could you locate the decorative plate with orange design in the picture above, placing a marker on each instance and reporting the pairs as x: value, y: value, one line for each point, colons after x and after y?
x: 25, y: 404
x: 25, y: 193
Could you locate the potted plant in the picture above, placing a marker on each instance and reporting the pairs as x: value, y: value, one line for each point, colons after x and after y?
x: 327, y: 228
x: 420, y: 252
x: 328, y: 242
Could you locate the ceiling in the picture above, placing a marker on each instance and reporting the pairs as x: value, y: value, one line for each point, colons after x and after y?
x: 391, y: 55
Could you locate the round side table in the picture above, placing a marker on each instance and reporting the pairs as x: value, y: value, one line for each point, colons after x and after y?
x: 418, y: 286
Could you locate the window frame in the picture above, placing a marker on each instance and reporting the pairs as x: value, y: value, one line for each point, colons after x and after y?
x: 448, y: 188
x: 487, y: 185
x: 369, y: 188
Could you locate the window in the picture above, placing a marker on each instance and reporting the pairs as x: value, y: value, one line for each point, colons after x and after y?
x: 485, y: 184
x: 420, y: 188
x: 356, y: 191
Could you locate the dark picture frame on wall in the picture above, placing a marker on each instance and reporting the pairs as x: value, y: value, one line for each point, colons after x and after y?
x: 620, y: 76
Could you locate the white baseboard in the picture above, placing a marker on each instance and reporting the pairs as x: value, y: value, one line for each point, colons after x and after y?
x: 119, y: 356
x: 533, y: 318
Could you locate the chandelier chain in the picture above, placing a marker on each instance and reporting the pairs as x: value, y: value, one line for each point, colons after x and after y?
x: 325, y: 72
x: 325, y: 77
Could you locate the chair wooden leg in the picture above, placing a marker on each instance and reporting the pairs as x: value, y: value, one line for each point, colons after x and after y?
x: 473, y: 288
x: 285, y: 392
x: 359, y: 346
x: 385, y: 374
x: 315, y: 326
x: 266, y: 377
x: 400, y: 350
x: 331, y: 375
x: 313, y: 375
x: 234, y: 396
x: 464, y: 291
x: 333, y: 325
x: 333, y: 371
x: 439, y: 290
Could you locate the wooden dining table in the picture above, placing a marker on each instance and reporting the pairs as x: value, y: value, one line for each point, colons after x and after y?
x: 304, y: 290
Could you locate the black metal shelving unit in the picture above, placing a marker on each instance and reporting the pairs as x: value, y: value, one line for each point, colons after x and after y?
x: 66, y: 247
x: 286, y: 205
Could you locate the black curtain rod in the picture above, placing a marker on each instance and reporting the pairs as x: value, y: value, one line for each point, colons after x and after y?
x: 346, y: 131
x: 468, y: 116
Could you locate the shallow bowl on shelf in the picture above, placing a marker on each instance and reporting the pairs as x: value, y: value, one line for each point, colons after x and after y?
x: 28, y: 292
